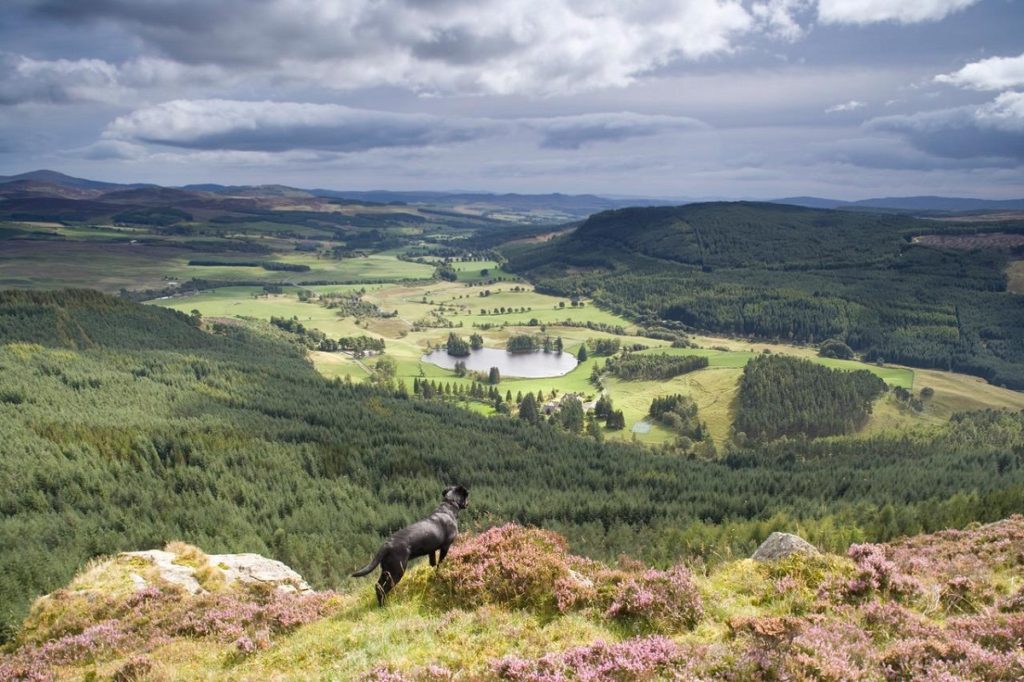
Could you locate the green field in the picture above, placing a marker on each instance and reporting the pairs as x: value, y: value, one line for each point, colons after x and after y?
x: 713, y: 389
x: 108, y: 260
x: 1015, y: 277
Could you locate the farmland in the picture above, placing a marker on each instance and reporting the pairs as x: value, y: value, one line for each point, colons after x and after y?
x: 713, y: 389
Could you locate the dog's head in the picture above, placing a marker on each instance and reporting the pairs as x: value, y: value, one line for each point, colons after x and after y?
x: 457, y: 495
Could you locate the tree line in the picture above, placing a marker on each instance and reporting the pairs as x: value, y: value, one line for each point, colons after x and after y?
x: 786, y: 396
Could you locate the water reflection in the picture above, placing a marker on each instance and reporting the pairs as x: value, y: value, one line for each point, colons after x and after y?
x: 527, y: 365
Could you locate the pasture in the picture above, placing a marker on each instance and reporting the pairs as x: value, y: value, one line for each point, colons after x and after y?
x: 1015, y: 277
x: 109, y: 261
x: 421, y: 311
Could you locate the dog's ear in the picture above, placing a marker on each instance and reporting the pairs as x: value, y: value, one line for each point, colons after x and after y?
x: 444, y: 493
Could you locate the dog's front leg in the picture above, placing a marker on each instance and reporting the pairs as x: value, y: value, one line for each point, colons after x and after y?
x: 433, y: 557
x: 444, y: 553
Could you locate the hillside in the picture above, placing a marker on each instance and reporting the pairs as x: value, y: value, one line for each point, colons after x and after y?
x: 797, y: 274
x: 514, y: 604
x: 921, y: 204
x: 127, y: 426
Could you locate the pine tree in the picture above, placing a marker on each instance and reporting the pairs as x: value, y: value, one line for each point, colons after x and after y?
x: 571, y: 414
x: 528, y: 409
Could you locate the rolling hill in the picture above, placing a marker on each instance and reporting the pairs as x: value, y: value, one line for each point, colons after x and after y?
x: 796, y: 274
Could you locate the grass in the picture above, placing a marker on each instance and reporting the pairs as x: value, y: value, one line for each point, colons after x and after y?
x: 104, y: 259
x: 1015, y: 277
x: 714, y: 389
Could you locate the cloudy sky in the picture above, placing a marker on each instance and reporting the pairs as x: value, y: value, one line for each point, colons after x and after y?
x: 668, y: 98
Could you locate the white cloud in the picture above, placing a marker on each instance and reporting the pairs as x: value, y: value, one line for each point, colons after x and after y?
x: 467, y: 46
x: 275, y: 127
x: 846, y: 106
x: 281, y: 126
x: 899, y: 11
x: 995, y: 73
x: 779, y: 17
x: 62, y: 81
x: 59, y: 81
x: 1006, y: 112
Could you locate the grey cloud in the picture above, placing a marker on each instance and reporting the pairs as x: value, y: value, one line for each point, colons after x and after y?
x: 573, y: 132
x: 269, y: 126
x: 881, y: 152
x: 66, y: 81
x: 995, y: 129
x: 460, y: 46
x: 281, y: 126
x: 24, y: 80
x: 489, y: 46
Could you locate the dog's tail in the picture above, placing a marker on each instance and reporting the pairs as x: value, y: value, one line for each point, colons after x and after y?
x: 372, y: 565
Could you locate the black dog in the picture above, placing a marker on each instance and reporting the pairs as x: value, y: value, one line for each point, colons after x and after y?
x: 426, y: 536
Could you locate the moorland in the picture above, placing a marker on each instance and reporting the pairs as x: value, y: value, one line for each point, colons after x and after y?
x: 242, y: 368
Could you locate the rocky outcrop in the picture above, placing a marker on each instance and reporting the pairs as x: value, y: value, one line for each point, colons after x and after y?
x: 255, y: 568
x: 196, y: 572
x: 780, y: 545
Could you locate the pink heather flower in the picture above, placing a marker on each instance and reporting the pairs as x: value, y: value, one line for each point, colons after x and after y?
x: 245, y: 645
x: 665, y: 600
x: 634, y: 659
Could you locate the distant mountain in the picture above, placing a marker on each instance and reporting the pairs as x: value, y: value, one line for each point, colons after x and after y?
x: 811, y: 202
x: 252, y: 190
x: 941, y: 204
x: 24, y: 189
x: 159, y: 196
x: 62, y: 180
x: 922, y: 204
x: 573, y: 204
x: 43, y: 183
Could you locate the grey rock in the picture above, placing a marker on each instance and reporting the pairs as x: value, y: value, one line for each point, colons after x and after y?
x: 176, y: 574
x: 780, y: 545
x: 254, y: 568
x: 240, y: 568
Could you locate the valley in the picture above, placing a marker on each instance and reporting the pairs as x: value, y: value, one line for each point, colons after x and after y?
x: 256, y: 382
x: 713, y: 388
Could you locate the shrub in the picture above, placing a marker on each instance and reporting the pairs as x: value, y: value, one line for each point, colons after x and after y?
x: 665, y: 601
x: 135, y: 669
x: 508, y: 565
x: 834, y: 348
x: 1014, y: 603
x: 634, y: 659
x: 877, y: 573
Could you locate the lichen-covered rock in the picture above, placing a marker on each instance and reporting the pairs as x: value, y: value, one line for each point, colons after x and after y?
x: 255, y: 568
x: 177, y: 574
x: 780, y: 545
x: 195, y: 572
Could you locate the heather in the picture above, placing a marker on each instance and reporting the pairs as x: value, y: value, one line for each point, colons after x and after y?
x: 515, y: 603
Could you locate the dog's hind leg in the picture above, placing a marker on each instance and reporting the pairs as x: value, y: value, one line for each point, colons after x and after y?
x: 391, y: 572
x: 433, y: 557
